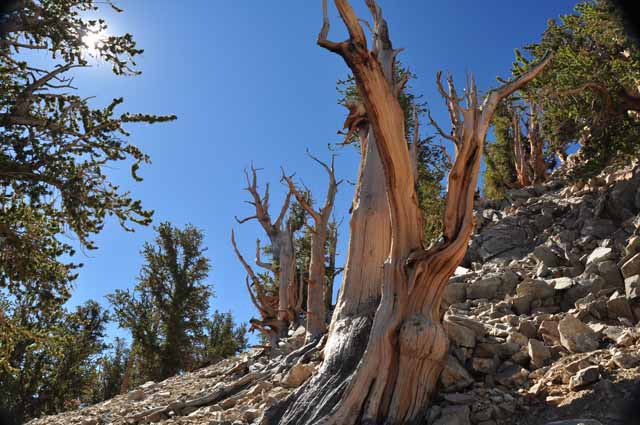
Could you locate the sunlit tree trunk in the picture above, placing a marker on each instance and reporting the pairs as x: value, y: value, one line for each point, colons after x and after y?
x: 283, y: 261
x: 406, y: 345
x: 519, y: 153
x: 316, y: 303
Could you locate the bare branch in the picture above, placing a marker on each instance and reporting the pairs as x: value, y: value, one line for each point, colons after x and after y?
x: 259, y: 262
x: 246, y: 265
x: 324, y: 33
x: 495, y: 96
x: 301, y: 199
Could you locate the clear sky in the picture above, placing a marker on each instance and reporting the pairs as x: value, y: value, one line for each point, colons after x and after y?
x: 248, y: 83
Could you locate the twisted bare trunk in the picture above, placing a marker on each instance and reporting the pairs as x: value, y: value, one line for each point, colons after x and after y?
x: 273, y: 324
x: 406, y: 345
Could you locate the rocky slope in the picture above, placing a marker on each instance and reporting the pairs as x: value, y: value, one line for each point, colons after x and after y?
x: 542, y: 321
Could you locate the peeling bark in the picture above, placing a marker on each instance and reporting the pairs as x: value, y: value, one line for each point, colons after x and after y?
x: 406, y: 344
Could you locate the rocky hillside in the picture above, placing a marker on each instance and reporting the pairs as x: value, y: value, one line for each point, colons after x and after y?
x: 542, y: 321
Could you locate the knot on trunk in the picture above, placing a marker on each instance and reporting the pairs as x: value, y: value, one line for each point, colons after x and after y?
x: 423, y: 338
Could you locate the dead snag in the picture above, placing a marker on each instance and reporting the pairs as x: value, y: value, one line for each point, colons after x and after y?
x: 316, y: 298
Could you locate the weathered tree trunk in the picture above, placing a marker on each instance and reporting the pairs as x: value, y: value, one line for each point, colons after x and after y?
x: 406, y: 345
x: 316, y: 302
x: 283, y: 262
x: 536, y: 145
x: 520, y: 155
x: 266, y: 304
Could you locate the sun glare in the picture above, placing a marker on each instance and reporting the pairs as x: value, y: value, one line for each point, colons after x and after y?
x: 93, y: 41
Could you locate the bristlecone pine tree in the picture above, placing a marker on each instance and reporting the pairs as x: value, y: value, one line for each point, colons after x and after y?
x: 316, y: 292
x: 276, y: 317
x: 392, y: 379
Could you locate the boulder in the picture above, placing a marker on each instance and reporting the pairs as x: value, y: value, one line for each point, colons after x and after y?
x: 632, y: 287
x: 610, y: 272
x: 584, y: 377
x: 618, y: 306
x: 510, y: 280
x: 549, y: 332
x: 484, y: 288
x: 599, y: 255
x: 631, y: 266
x: 136, y: 395
x: 546, y: 256
x: 512, y: 376
x: 454, y: 377
x: 633, y: 246
x: 538, y: 353
x: 528, y: 328
x: 458, y: 334
x: 575, y: 422
x: 518, y: 338
x: 562, y: 283
x: 577, y: 337
x: 455, y: 292
x: 296, y: 376
x: 484, y: 365
x: 625, y: 360
x: 454, y: 415
x: 536, y: 289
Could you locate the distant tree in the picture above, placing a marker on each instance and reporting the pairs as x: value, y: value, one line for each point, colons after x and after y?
x: 223, y: 338
x: 55, y: 146
x: 110, y: 371
x: 590, y: 93
x: 49, y: 364
x: 167, y: 311
x: 500, y: 163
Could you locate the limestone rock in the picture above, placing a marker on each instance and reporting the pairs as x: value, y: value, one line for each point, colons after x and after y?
x: 618, y: 306
x: 512, y: 376
x: 537, y: 289
x: 632, y: 287
x: 575, y: 336
x: 455, y: 292
x: 562, y: 283
x: 599, y: 255
x: 297, y: 375
x: 538, y: 352
x: 484, y: 288
x: 458, y: 334
x: 454, y: 415
x: 626, y: 360
x: 584, y: 377
x: 546, y: 256
x: 610, y: 273
x: 454, y: 377
x: 631, y: 266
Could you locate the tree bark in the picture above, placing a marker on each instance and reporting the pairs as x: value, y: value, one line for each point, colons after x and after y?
x: 407, y: 345
x: 536, y: 145
x: 520, y: 155
x: 316, y: 306
x: 282, y: 266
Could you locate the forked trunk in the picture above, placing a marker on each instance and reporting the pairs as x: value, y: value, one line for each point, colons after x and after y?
x: 406, y: 346
x: 316, y: 313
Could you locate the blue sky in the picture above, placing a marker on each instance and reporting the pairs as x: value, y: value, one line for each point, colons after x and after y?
x: 248, y: 83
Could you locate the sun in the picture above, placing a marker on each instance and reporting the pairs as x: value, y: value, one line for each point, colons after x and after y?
x: 93, y: 41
